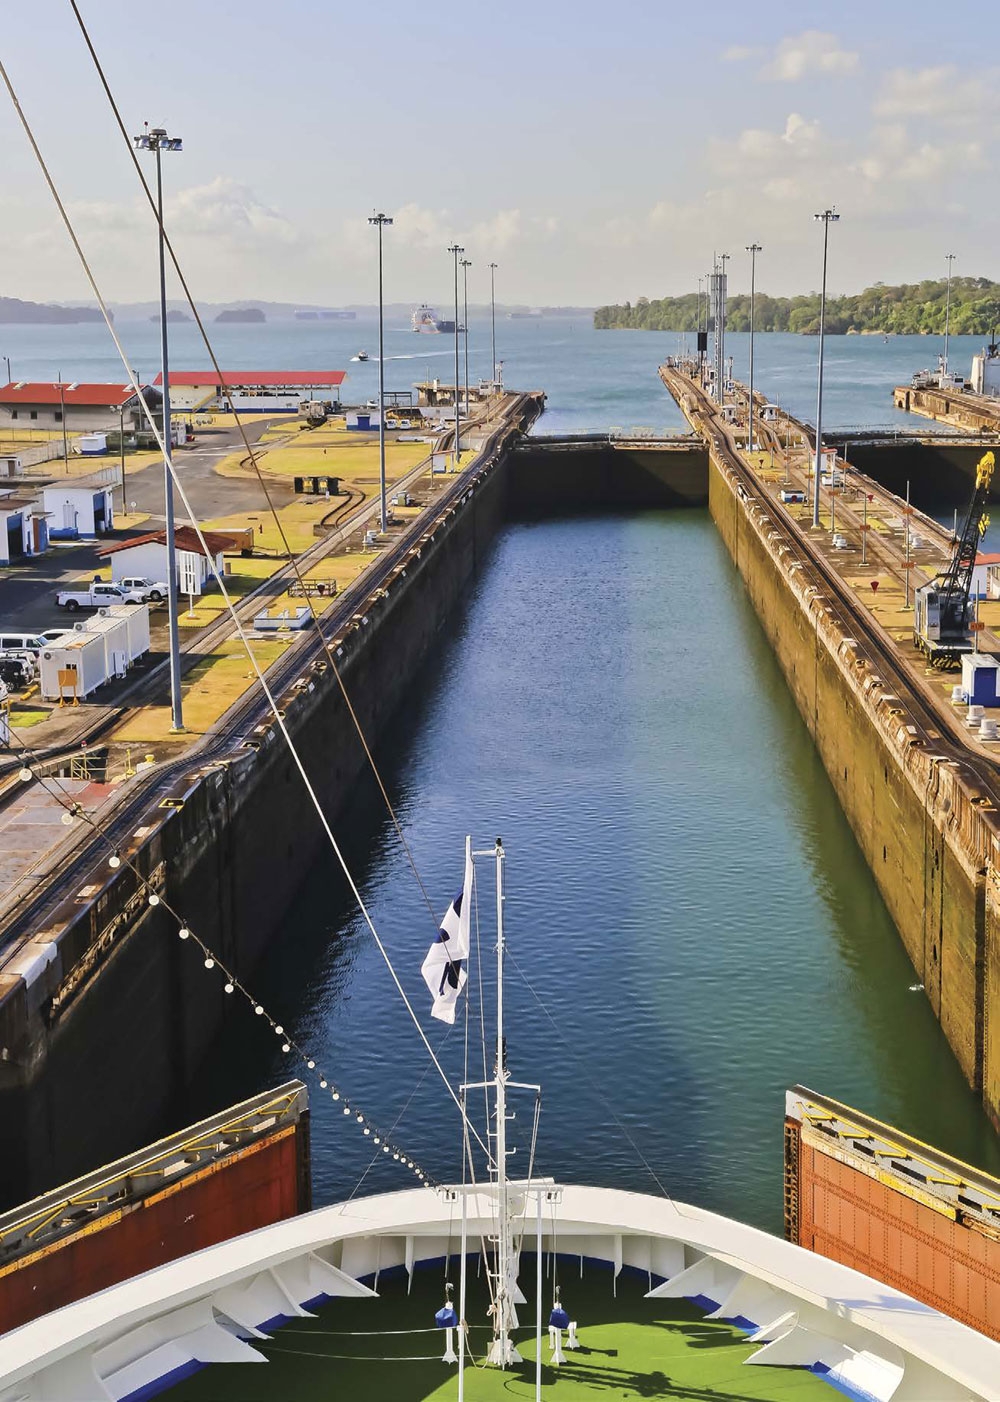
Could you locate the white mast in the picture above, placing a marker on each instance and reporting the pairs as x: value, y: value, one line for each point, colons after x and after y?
x: 502, y: 1351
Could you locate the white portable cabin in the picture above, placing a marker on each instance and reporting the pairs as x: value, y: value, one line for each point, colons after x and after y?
x: 113, y: 632
x: 76, y: 511
x: 81, y: 658
x: 136, y: 618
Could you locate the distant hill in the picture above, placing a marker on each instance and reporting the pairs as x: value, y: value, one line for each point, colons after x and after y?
x: 248, y: 314
x: 14, y: 312
x: 909, y: 309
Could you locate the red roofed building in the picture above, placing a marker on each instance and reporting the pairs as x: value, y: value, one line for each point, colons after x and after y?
x: 252, y: 391
x: 145, y: 556
x: 81, y: 407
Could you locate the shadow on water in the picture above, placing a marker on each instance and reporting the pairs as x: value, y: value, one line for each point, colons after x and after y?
x: 685, y: 895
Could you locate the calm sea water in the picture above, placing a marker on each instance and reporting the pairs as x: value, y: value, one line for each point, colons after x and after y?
x: 692, y: 925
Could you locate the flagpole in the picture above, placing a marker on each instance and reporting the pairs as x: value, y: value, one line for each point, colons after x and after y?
x: 503, y: 1234
x: 461, y: 1278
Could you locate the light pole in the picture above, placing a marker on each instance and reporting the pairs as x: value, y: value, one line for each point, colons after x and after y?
x: 466, y: 265
x: 455, y: 249
x: 753, y: 249
x: 947, y: 313
x: 381, y: 220
x: 157, y: 140
x: 493, y: 321
x: 10, y: 378
x: 62, y: 420
x: 829, y: 216
x: 121, y: 449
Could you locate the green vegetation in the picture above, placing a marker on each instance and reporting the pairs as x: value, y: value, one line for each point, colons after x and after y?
x: 911, y: 309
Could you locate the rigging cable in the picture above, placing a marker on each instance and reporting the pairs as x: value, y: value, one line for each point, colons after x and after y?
x: 279, y: 718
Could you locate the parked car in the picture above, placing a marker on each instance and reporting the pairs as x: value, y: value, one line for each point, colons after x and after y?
x: 153, y: 590
x: 97, y: 594
x: 17, y: 669
x: 18, y: 641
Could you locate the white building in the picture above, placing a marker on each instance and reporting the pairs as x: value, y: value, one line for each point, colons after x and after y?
x: 146, y: 556
x: 23, y: 527
x: 985, y: 377
x: 79, y: 408
x: 252, y: 391
x: 78, y: 509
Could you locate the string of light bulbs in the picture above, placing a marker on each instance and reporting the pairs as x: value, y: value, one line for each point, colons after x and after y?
x: 73, y: 810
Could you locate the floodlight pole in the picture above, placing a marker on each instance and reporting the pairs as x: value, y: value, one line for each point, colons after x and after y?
x: 493, y: 320
x: 466, y: 265
x: 947, y: 314
x: 455, y: 249
x: 829, y: 216
x: 157, y: 140
x: 381, y: 220
x: 753, y: 249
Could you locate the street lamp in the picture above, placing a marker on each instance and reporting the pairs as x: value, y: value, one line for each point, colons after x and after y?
x: 753, y: 249
x: 947, y: 314
x: 466, y: 265
x: 62, y: 419
x: 381, y: 220
x: 121, y: 449
x: 493, y: 320
x: 829, y: 216
x: 157, y: 140
x: 10, y: 377
x: 455, y: 249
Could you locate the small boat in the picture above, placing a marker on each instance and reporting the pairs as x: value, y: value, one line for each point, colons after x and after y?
x: 361, y: 355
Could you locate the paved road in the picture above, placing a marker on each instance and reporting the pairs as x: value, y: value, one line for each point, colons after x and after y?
x: 27, y: 592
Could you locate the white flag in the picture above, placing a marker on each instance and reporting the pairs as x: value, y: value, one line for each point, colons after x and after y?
x: 445, y: 969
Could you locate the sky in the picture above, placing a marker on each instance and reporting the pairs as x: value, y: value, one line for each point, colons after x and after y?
x: 595, y: 152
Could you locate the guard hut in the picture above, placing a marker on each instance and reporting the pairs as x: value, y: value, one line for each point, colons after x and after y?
x: 769, y: 414
x: 979, y: 678
x: 80, y: 510
x: 23, y: 527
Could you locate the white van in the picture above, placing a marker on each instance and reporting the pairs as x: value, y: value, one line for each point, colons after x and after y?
x: 21, y: 642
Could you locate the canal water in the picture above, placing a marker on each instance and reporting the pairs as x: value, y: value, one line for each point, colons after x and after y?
x: 692, y: 926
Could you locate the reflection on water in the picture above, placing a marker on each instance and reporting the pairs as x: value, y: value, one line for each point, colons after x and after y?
x: 685, y: 896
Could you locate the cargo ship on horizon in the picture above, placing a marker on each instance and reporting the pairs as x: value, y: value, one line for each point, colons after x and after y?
x: 425, y: 319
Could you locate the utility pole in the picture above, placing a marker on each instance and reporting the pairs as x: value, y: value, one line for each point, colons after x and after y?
x: 455, y: 249
x: 466, y: 265
x: 381, y: 220
x: 753, y: 249
x: 62, y: 420
x: 829, y: 216
x: 157, y: 141
x: 493, y: 321
x: 947, y: 315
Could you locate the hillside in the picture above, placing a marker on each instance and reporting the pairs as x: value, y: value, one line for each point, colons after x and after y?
x: 14, y: 312
x: 908, y: 309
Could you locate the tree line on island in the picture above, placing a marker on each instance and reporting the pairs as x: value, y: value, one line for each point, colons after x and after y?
x: 910, y: 309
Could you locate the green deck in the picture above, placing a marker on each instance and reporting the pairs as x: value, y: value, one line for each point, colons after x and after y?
x: 630, y: 1348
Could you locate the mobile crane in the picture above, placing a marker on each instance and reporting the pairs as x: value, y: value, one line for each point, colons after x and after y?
x: 942, y: 612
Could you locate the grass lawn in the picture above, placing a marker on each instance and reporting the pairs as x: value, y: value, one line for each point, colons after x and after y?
x: 631, y: 1348
x: 207, y: 691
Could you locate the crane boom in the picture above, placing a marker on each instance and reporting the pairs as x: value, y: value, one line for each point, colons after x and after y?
x: 941, y: 621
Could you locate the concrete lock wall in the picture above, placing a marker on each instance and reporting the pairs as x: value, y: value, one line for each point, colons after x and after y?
x: 124, y: 993
x: 915, y: 816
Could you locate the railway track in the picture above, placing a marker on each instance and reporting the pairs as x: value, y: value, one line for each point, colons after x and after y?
x: 251, y: 710
x: 933, y: 727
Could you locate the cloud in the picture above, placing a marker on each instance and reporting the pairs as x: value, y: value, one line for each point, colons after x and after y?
x: 940, y: 94
x: 226, y: 209
x: 895, y: 157
x: 806, y: 54
x: 799, y: 140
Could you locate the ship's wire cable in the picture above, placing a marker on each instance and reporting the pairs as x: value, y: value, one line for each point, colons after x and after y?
x: 279, y: 718
x: 234, y: 984
x: 252, y: 456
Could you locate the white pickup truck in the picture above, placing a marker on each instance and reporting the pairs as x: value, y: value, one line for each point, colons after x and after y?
x: 152, y: 590
x: 98, y: 595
